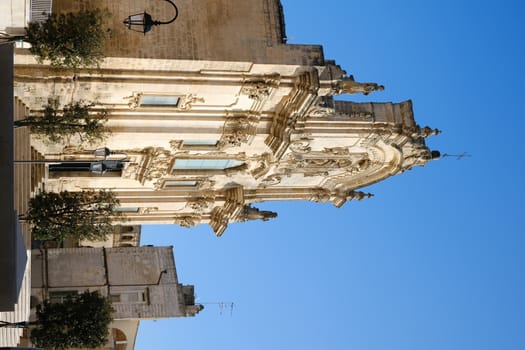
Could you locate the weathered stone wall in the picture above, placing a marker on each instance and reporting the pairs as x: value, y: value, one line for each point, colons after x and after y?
x: 225, y: 30
x: 117, y: 271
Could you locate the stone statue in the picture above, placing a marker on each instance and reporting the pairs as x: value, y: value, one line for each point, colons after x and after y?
x: 348, y: 85
x: 250, y: 213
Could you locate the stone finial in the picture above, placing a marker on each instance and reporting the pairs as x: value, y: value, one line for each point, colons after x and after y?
x: 340, y: 197
x: 347, y: 85
x: 428, y: 131
x: 358, y: 195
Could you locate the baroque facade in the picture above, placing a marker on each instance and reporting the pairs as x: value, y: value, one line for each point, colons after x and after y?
x: 202, y: 127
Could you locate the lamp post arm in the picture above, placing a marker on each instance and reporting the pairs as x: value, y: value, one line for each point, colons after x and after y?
x: 173, y: 19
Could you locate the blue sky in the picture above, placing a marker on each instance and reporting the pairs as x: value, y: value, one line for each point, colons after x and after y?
x: 435, y: 260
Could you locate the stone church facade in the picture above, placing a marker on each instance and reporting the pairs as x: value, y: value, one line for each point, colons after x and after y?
x: 209, y: 116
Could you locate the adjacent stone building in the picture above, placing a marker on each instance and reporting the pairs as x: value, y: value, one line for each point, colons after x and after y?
x: 141, y: 282
x: 209, y: 116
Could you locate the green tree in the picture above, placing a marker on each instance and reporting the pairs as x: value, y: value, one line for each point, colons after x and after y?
x: 80, y: 321
x: 66, y: 39
x: 85, y: 215
x: 76, y: 118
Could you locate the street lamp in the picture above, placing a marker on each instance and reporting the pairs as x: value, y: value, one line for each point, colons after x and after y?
x: 142, y: 22
x: 99, y: 167
x: 102, y: 166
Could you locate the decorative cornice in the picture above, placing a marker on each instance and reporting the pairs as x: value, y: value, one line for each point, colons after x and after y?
x: 292, y: 108
x: 221, y: 216
x: 338, y: 196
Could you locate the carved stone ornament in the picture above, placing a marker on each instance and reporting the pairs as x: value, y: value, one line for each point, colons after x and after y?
x: 158, y: 164
x: 130, y: 171
x: 259, y: 88
x: 233, y: 139
x: 329, y: 161
x: 240, y: 128
x: 134, y: 100
x: 201, y: 204
x: 301, y: 146
x: 348, y: 85
x: 176, y: 145
x: 250, y: 213
x: 205, y: 184
x: 187, y: 220
x: 271, y: 180
x: 337, y: 151
x: 320, y: 195
x: 263, y: 165
x: 320, y: 112
x: 418, y: 154
x: 148, y: 210
x: 186, y: 102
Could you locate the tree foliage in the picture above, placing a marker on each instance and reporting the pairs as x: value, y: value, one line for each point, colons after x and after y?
x: 69, y: 39
x: 85, y: 215
x: 58, y: 124
x: 80, y: 321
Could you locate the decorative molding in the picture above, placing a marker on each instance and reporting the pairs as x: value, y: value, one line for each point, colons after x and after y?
x: 202, y: 183
x: 338, y: 196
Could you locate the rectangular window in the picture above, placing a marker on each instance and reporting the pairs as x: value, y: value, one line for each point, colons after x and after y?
x: 206, y: 164
x: 172, y: 183
x: 127, y: 209
x: 199, y: 143
x: 159, y: 100
x: 130, y: 297
x: 115, y: 298
x: 61, y: 296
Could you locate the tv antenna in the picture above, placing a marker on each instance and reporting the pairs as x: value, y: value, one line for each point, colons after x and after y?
x: 223, y: 306
x: 457, y: 156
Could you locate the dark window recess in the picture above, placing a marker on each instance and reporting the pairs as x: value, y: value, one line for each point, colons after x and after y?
x: 111, y: 165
